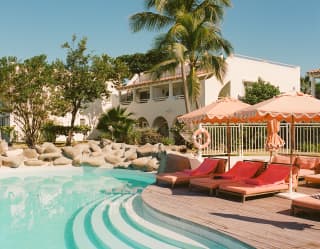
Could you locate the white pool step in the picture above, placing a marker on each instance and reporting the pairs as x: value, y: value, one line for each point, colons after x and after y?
x: 118, y: 222
x: 101, y: 230
x: 157, y: 229
x: 79, y: 233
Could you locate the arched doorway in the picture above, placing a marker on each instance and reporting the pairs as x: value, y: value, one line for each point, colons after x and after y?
x: 161, y: 125
x: 142, y: 123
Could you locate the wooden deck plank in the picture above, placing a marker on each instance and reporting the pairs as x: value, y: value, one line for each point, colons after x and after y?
x: 263, y: 222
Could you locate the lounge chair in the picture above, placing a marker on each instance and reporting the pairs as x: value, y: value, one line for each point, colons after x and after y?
x: 240, y: 171
x: 273, y: 180
x: 312, y: 179
x: 308, y: 203
x: 208, y: 167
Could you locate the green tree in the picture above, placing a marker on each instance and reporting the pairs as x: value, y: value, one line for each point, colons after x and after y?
x: 141, y: 62
x: 259, y: 91
x: 110, y: 69
x: 25, y: 93
x: 193, y: 37
x: 117, y: 122
x: 80, y: 80
x: 305, y: 84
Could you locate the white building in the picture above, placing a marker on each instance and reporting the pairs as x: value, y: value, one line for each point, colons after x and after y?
x: 158, y: 103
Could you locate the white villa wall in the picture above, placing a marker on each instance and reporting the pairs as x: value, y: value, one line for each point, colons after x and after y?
x: 168, y: 109
x: 242, y: 69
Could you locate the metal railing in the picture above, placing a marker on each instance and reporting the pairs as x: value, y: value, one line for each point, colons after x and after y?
x: 249, y: 139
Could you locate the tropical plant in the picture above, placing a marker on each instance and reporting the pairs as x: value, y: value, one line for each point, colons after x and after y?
x: 176, y: 130
x: 116, y: 122
x: 305, y: 85
x: 24, y: 88
x: 261, y: 90
x: 193, y: 37
x: 80, y: 81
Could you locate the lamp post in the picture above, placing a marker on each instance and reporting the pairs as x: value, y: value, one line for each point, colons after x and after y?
x: 111, y: 129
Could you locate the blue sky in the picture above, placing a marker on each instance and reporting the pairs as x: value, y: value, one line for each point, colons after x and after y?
x: 280, y: 30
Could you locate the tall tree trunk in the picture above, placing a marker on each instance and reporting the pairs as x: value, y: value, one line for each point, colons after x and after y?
x: 73, y: 118
x: 185, y: 89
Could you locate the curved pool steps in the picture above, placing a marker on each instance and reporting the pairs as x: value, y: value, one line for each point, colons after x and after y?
x: 99, y: 228
x: 120, y: 220
x: 80, y: 236
x: 156, y: 231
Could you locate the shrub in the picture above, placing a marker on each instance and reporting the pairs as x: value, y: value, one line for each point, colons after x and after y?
x: 50, y: 131
x: 167, y: 140
x: 149, y: 135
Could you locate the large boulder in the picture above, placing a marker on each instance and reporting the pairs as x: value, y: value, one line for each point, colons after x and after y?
x: 30, y: 153
x: 153, y: 164
x: 62, y: 161
x: 34, y: 162
x: 104, y: 142
x: 141, y: 164
x: 94, y: 147
x: 96, y: 153
x: 3, y: 147
x: 113, y: 159
x: 117, y: 146
x: 119, y: 153
x: 84, y: 148
x: 12, y: 162
x: 76, y: 161
x: 14, y: 153
x: 71, y: 152
x: 50, y: 148
x: 148, y: 150
x: 49, y: 156
x: 93, y: 161
x: 130, y: 155
x: 107, y: 148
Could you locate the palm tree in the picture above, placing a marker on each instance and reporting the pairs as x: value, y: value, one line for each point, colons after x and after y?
x: 117, y: 123
x: 193, y: 37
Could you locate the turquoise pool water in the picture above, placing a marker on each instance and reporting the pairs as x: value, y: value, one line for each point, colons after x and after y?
x: 89, y: 208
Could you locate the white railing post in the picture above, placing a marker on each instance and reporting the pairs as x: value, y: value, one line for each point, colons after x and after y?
x: 200, y: 149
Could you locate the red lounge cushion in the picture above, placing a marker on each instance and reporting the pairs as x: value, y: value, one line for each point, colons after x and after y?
x: 206, y: 167
x: 187, y: 171
x: 274, y: 174
x: 254, y: 181
x: 307, y: 162
x: 282, y: 159
x: 227, y: 177
x: 243, y: 170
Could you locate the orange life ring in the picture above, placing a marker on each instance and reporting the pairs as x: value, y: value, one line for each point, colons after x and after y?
x: 198, y: 132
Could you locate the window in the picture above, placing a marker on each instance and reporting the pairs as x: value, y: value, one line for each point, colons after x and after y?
x: 82, y: 121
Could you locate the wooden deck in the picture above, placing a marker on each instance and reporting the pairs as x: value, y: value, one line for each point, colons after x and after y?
x: 263, y: 222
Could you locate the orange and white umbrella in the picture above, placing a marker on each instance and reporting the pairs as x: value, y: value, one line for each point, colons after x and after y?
x: 220, y: 111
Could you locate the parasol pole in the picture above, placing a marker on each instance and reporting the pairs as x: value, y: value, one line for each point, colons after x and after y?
x: 200, y: 149
x: 292, y: 143
x: 228, y: 143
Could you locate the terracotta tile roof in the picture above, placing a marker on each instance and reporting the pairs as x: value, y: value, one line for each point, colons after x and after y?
x: 314, y: 72
x: 147, y: 81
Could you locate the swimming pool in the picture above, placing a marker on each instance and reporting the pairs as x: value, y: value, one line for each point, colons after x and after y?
x: 89, y: 208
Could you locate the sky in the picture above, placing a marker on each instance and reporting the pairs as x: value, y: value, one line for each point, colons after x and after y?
x: 286, y: 31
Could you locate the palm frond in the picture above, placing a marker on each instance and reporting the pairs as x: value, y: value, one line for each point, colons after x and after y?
x: 149, y: 21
